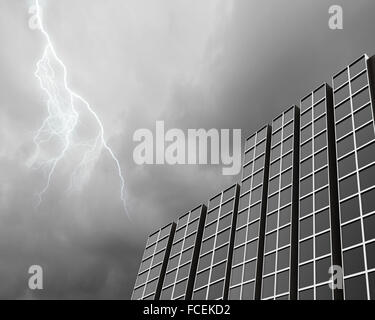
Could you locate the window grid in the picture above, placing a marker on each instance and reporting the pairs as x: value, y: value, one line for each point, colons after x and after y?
x: 144, y: 278
x: 276, y: 272
x: 357, y: 195
x: 188, y: 226
x: 311, y: 194
x: 209, y: 283
x: 245, y: 288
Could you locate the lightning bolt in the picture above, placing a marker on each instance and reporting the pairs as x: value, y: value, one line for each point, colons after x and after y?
x: 63, y: 118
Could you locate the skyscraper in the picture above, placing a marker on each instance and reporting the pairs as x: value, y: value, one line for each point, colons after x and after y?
x: 215, y: 258
x: 279, y: 276
x: 355, y: 151
x: 247, y: 261
x: 182, y: 264
x: 301, y: 225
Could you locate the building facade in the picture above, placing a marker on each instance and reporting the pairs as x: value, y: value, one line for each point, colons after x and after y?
x: 301, y: 223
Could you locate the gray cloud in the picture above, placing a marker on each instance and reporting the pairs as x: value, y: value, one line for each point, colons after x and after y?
x: 211, y: 64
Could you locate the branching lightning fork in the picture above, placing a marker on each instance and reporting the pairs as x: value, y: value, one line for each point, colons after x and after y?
x: 63, y: 116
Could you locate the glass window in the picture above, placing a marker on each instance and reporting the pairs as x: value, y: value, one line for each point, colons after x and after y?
x: 240, y: 236
x: 234, y: 293
x: 283, y: 258
x: 205, y: 261
x: 216, y: 290
x: 288, y: 129
x: 247, y: 170
x: 223, y: 237
x: 285, y: 196
x: 210, y: 230
x: 320, y: 159
x: 287, y: 145
x: 306, y: 294
x: 273, y: 202
x: 276, y: 124
x: 261, y: 134
x: 369, y: 224
x: 322, y: 267
x: 260, y: 148
x: 306, y: 186
x: 258, y: 178
x: 286, y: 178
x: 249, y: 272
x: 306, y: 167
x: 242, y: 218
x: 322, y: 221
x: 276, y: 138
x: 227, y: 207
x: 306, y: 275
x: 306, y: 227
x: 361, y: 99
x: 351, y: 234
x: 255, y: 212
x: 275, y: 168
x: 268, y: 286
x: 348, y: 186
x: 306, y: 103
x: 359, y: 82
x: 221, y: 254
x: 306, y: 150
x: 306, y: 250
x: 284, y: 237
x: 238, y: 255
x: 212, y: 215
x: 270, y: 242
x: 236, y: 276
x: 282, y: 282
x: 183, y: 272
x: 370, y: 253
x: 275, y: 152
x: 289, y: 115
x: 362, y: 116
x: 347, y: 165
x: 320, y: 141
x: 251, y: 250
x: 269, y: 263
x: 306, y: 206
x: 323, y: 244
x: 353, y: 261
x: 225, y: 222
x: 321, y: 199
x: 218, y: 271
x: 357, y: 67
x: 321, y: 178
x: 320, y: 93
x: 253, y: 231
x: 200, y: 294
x: 186, y: 256
x: 349, y: 209
x: 250, y: 142
x: 271, y: 222
x: 341, y: 78
x: 355, y: 288
x: 341, y: 94
x: 344, y: 127
x: 258, y: 163
x: 366, y: 155
x: 256, y: 195
x: 273, y: 185
x: 342, y: 110
x: 320, y: 125
x: 306, y: 133
x: 364, y: 135
x: 319, y: 109
x: 284, y: 217
x: 287, y: 161
x: 244, y: 202
x: 345, y: 145
x: 306, y: 118
x: 207, y: 245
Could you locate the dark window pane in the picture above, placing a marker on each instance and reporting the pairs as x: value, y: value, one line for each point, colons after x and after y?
x: 306, y: 133
x: 306, y: 167
x: 306, y: 150
x: 366, y: 155
x: 343, y: 110
x: 273, y: 185
x: 306, y: 103
x: 254, y: 212
x: 275, y: 168
x: 306, y: 206
x: 234, y: 294
x: 321, y: 178
x: 221, y: 254
x: 249, y: 271
x: 268, y: 286
x: 284, y: 217
x: 366, y: 177
x: 306, y: 294
x: 349, y: 209
x: 283, y: 259
x: 306, y: 250
x: 353, y: 261
x: 282, y: 282
x: 370, y: 253
x: 320, y: 159
x: 341, y: 78
x: 323, y: 244
x: 216, y: 290
x: 200, y: 294
x: 253, y: 231
x: 275, y: 152
x: 348, y: 186
x: 321, y: 199
x: 284, y: 237
x: 363, y: 116
x: 364, y: 135
x: 357, y: 67
x: 306, y: 118
x: 273, y: 202
x: 322, y: 267
x: 368, y: 201
x: 351, y: 234
x: 285, y: 196
x: 341, y: 94
x: 355, y: 288
x: 322, y: 221
x: 306, y: 275
x: 347, y: 165
x: 271, y: 222
x: 276, y: 138
x: 218, y: 272
x: 306, y: 186
x: 369, y: 223
x: 287, y: 161
x: 361, y: 98
x: 323, y: 292
x: 286, y: 179
x: 320, y: 93
x: 345, y: 145
x: 306, y: 227
x: 320, y: 141
x: 359, y: 82
x: 270, y: 242
x: 251, y: 250
x: 319, y: 109
x: 248, y: 291
x: 320, y: 125
x: 288, y: 130
x: 269, y: 263
x: 344, y: 127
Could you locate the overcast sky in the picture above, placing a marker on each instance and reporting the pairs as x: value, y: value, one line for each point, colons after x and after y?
x: 194, y: 64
